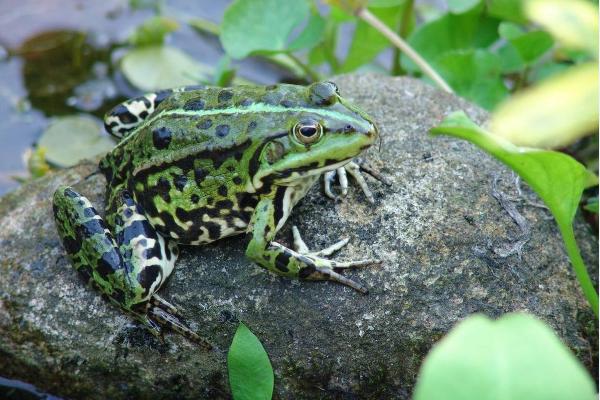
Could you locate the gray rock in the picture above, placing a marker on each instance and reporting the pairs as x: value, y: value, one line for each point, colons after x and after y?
x: 445, y: 240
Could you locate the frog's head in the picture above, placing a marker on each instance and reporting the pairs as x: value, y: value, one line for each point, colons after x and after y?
x: 324, y: 132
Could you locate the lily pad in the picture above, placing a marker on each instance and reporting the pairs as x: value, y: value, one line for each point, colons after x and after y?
x: 71, y: 139
x: 158, y: 67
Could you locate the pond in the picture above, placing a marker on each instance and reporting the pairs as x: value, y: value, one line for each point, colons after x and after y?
x: 61, y: 57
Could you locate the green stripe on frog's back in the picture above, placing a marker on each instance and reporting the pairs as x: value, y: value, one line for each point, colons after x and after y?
x: 251, y: 109
x: 240, y: 99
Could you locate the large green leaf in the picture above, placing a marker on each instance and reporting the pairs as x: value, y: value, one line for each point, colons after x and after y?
x: 529, y: 46
x: 71, y: 139
x: 557, y: 178
x: 474, y: 74
x: 450, y: 32
x: 250, y: 371
x: 311, y: 35
x: 261, y: 25
x: 460, y: 6
x: 367, y: 41
x: 159, y: 67
x: 509, y: 10
x: 516, y: 357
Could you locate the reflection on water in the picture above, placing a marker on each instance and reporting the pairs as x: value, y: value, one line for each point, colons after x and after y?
x: 11, y: 389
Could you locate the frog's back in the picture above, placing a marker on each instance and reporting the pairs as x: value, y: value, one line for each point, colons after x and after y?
x: 189, y: 164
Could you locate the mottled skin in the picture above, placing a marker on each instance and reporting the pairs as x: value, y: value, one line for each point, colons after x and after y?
x: 194, y: 165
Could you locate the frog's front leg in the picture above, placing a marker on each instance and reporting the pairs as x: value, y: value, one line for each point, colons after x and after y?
x: 301, y: 264
x: 354, y: 168
x: 129, y: 266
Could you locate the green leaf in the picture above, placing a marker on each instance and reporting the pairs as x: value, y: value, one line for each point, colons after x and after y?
x: 532, y: 45
x: 385, y: 3
x: 159, y: 67
x: 509, y: 10
x: 560, y: 110
x: 461, y: 6
x: 451, y: 32
x: 592, y: 205
x: 573, y: 23
x: 510, y: 30
x: 250, y: 371
x: 260, y: 25
x: 71, y: 139
x: 153, y: 31
x: 367, y: 41
x: 311, y: 35
x: 510, y: 59
x: 557, y: 178
x: 325, y: 51
x: 529, y: 46
x: 515, y: 357
x: 349, y: 6
x: 474, y: 74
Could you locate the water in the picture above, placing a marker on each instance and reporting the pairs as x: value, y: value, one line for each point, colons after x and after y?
x: 11, y: 389
x: 57, y: 58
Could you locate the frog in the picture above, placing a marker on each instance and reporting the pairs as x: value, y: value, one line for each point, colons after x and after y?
x: 196, y: 164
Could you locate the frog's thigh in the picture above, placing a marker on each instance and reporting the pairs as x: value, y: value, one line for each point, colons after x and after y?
x: 149, y: 256
x: 123, y: 266
x: 90, y: 246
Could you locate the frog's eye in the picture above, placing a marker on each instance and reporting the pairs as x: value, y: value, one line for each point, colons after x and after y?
x: 323, y: 93
x: 307, y: 132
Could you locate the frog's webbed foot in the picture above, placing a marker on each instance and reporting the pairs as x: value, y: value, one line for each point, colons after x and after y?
x: 317, y: 267
x: 162, y: 314
x: 354, y: 168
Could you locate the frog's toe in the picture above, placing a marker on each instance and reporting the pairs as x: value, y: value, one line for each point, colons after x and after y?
x: 328, y: 274
x: 158, y: 301
x: 364, y: 166
x: 354, y: 168
x: 302, y: 248
x: 355, y: 171
x: 163, y: 318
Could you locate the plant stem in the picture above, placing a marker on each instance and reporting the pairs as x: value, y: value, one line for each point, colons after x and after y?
x: 397, y: 41
x: 313, y: 75
x: 579, y: 267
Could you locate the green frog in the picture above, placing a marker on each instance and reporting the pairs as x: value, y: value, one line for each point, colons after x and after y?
x: 197, y: 164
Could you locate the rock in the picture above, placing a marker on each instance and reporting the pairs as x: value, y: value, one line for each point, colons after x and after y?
x: 448, y: 248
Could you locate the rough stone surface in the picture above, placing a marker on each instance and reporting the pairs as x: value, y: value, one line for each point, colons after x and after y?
x: 441, y: 233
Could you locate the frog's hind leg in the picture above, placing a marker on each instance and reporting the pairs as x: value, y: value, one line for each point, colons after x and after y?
x: 151, y: 258
x: 127, y: 267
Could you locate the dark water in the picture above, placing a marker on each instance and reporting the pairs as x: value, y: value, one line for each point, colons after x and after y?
x: 11, y: 389
x: 57, y: 57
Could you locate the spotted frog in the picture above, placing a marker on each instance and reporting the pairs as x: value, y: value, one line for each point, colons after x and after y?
x: 197, y: 164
